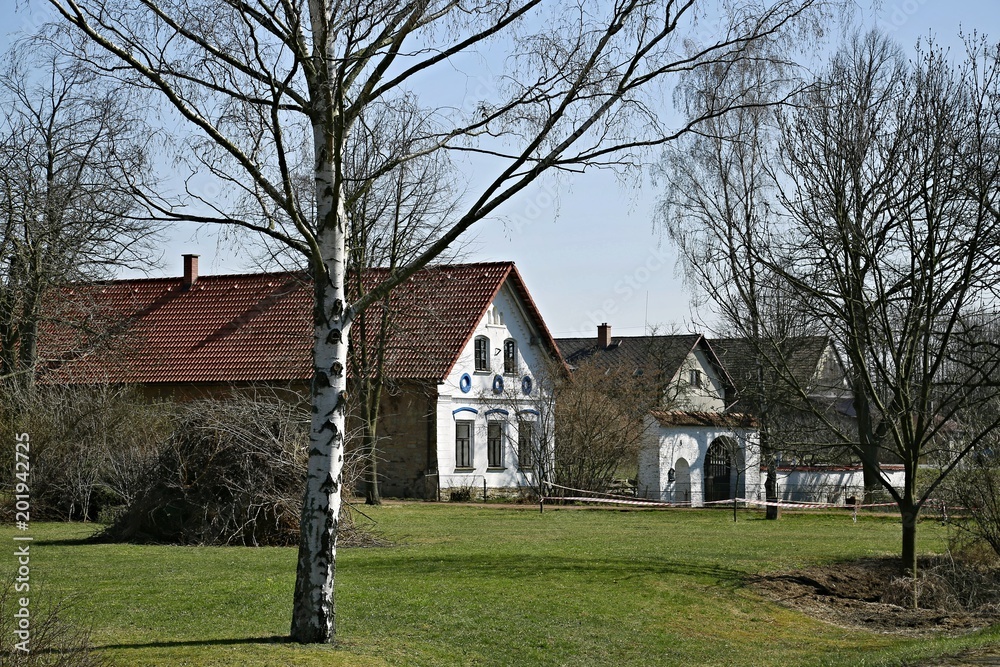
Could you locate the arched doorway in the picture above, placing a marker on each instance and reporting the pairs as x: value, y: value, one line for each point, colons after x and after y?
x: 682, y: 481
x: 719, y: 470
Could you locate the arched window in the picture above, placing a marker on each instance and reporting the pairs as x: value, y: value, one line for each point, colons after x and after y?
x: 482, y: 354
x: 494, y: 317
x: 510, y: 357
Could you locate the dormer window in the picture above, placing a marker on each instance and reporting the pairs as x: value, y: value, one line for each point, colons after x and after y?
x: 510, y: 357
x: 482, y: 351
x: 695, y: 379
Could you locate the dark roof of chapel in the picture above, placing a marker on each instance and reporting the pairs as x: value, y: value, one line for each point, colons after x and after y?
x: 643, y: 353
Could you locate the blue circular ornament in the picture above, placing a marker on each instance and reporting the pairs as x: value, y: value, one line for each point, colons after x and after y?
x: 526, y: 385
x: 465, y: 383
x: 498, y: 384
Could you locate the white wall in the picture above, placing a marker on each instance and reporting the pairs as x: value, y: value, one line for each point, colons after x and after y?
x: 831, y: 484
x: 671, y: 447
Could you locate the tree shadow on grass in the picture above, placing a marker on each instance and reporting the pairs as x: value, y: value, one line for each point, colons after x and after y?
x: 274, y: 639
x: 67, y: 542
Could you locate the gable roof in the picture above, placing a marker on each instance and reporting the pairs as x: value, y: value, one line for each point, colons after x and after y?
x: 646, y: 354
x: 802, y: 357
x: 663, y: 353
x: 258, y: 327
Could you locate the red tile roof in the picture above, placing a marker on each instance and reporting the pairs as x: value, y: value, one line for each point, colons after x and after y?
x: 258, y: 327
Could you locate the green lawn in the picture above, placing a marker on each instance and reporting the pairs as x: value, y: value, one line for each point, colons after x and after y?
x: 485, y: 586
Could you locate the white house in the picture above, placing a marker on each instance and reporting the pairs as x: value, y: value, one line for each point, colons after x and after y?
x: 489, y: 414
x: 467, y: 347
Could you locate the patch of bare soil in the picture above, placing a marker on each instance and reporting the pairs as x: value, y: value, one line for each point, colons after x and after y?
x: 870, y: 594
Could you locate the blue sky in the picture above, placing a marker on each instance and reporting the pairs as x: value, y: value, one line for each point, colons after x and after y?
x: 587, y: 247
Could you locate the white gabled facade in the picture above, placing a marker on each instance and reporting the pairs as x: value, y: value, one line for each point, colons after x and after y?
x: 486, y: 401
x: 694, y: 453
x: 697, y: 386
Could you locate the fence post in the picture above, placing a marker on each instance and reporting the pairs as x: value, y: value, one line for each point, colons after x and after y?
x: 484, y: 488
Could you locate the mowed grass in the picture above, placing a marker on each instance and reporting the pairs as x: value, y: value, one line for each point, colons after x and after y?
x: 491, y: 585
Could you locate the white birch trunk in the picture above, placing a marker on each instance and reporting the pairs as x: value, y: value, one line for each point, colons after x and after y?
x: 313, y: 614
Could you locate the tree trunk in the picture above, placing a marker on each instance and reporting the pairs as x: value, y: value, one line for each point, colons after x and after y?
x: 370, y: 437
x: 773, y: 512
x: 909, y: 560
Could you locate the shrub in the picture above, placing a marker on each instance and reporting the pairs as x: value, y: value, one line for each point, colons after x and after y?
x: 975, y: 487
x: 88, y: 446
x: 232, y: 472
x: 53, y: 642
x: 947, y: 584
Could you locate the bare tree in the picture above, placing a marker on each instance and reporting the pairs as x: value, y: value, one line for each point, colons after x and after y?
x: 272, y: 91
x: 72, y: 152
x: 718, y: 207
x: 884, y: 234
x: 892, y: 239
x: 394, y: 216
x: 531, y: 444
x: 601, y: 422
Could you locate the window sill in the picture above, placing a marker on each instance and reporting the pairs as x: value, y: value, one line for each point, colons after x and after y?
x: 465, y: 470
x: 486, y: 372
x: 500, y: 469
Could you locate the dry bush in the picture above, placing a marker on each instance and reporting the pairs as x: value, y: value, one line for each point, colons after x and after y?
x: 948, y: 584
x: 600, y: 424
x: 226, y: 471
x: 53, y: 641
x: 231, y: 472
x: 88, y: 445
x: 975, y: 487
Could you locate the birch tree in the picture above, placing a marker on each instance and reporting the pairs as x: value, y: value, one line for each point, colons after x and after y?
x: 268, y: 93
x: 718, y: 207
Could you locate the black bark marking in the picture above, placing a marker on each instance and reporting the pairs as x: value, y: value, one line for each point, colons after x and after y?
x: 334, y: 337
x: 330, y: 484
x: 337, y: 369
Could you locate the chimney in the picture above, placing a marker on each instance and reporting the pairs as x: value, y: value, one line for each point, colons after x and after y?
x: 190, y: 271
x: 603, y: 335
